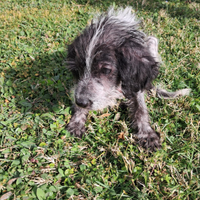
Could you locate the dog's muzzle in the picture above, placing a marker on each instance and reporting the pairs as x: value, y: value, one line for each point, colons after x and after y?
x: 82, y: 94
x: 83, y: 102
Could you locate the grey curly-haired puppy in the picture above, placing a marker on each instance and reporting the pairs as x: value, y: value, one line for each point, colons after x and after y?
x: 112, y: 59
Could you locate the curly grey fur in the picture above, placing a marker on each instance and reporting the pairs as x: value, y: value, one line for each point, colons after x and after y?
x: 112, y: 59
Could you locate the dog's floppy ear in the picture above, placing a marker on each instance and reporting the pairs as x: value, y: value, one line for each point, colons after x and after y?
x: 152, y: 45
x: 138, y: 65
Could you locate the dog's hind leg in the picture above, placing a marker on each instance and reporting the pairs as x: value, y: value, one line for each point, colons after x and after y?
x: 76, y: 126
x: 139, y: 117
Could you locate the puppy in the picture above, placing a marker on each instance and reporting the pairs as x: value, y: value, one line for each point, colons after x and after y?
x: 112, y: 59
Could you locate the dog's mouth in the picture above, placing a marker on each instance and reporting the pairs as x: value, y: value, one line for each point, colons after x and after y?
x: 98, y: 100
x: 83, y: 102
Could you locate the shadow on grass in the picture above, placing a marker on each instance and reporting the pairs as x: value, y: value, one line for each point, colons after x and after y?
x: 39, y: 85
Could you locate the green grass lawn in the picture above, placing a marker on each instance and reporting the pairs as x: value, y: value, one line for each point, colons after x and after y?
x: 38, y: 157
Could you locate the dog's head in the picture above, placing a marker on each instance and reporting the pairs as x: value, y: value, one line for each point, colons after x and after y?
x: 112, y: 59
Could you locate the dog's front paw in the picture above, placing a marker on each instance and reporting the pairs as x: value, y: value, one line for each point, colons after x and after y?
x: 149, y: 140
x: 76, y: 129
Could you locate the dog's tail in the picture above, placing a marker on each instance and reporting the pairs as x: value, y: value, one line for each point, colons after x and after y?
x: 162, y: 93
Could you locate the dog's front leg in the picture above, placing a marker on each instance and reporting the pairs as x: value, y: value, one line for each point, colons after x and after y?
x: 147, y: 137
x: 76, y: 126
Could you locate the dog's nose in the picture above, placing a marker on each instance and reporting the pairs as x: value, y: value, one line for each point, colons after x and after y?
x: 83, y: 102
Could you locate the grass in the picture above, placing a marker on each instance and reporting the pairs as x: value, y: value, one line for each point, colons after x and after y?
x: 38, y: 157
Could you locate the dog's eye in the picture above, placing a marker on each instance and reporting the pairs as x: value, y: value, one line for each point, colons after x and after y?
x: 105, y: 70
